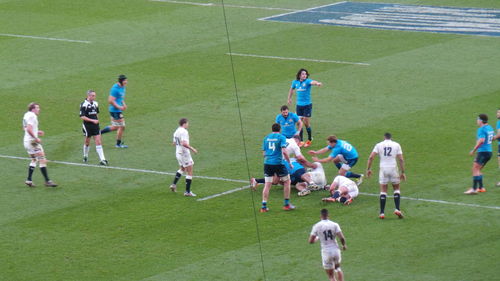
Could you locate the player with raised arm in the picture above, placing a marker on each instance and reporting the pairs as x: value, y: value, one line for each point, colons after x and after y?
x: 117, y: 105
x: 183, y: 154
x: 389, y: 151
x: 33, y: 145
x: 343, y: 155
x: 484, y: 138
x: 302, y: 85
x: 273, y: 148
x: 327, y: 231
x: 89, y: 109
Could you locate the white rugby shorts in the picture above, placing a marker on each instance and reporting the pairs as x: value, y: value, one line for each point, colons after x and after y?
x: 388, y: 175
x: 184, y: 159
x: 33, y: 147
x: 330, y: 258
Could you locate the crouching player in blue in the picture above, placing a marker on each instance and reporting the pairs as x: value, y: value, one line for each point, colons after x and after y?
x: 343, y: 155
x: 274, y: 149
x: 484, y: 150
x: 300, y: 178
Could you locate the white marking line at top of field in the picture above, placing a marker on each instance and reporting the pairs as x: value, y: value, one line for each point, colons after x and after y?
x: 225, y: 5
x: 299, y: 59
x: 45, y: 38
x: 233, y: 180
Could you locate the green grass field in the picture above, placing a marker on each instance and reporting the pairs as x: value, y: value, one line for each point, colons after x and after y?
x: 116, y: 224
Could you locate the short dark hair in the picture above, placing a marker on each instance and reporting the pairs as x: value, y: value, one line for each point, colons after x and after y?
x: 276, y: 127
x: 387, y: 136
x: 183, y: 121
x: 332, y: 138
x: 284, y: 107
x: 324, y: 213
x: 300, y: 71
x: 32, y: 105
x: 121, y: 78
x: 483, y: 117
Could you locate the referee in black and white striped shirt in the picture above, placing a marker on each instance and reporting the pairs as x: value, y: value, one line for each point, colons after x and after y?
x: 89, y: 109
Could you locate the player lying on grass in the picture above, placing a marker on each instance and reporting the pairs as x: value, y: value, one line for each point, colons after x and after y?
x: 342, y: 190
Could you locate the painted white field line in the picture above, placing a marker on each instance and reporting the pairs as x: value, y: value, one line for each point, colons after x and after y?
x: 223, y: 193
x: 125, y: 169
x: 45, y: 38
x: 298, y: 59
x: 306, y: 10
x: 225, y: 5
x: 438, y: 201
x: 240, y: 181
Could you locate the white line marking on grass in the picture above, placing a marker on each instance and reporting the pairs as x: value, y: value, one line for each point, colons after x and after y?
x: 223, y: 193
x: 225, y: 5
x: 299, y: 11
x: 45, y: 38
x: 240, y: 181
x: 124, y: 169
x: 438, y: 201
x: 299, y: 59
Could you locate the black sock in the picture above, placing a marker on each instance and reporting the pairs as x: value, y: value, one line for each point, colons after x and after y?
x: 118, y: 142
x: 480, y: 181
x: 31, y: 169
x: 301, y: 134
x: 396, y: 200
x: 475, y: 182
x: 44, y: 173
x: 177, y: 177
x: 188, y: 185
x: 309, y: 133
x: 262, y: 180
x: 382, y: 202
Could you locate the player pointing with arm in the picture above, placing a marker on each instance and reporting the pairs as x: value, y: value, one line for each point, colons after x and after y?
x: 326, y: 231
x: 302, y: 85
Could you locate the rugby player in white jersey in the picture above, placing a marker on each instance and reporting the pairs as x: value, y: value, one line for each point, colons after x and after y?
x: 33, y: 145
x: 327, y: 231
x: 388, y: 151
x: 183, y: 155
x: 342, y: 190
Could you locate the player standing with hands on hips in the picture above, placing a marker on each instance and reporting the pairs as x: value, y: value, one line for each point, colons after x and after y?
x: 302, y: 85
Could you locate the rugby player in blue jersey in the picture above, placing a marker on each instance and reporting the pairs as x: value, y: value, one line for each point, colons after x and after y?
x: 290, y: 122
x: 484, y: 138
x: 274, y: 150
x: 498, y: 139
x: 302, y: 85
x: 343, y: 154
x: 117, y: 105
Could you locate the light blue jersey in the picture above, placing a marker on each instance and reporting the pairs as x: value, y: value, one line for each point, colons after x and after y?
x: 118, y: 93
x: 303, y: 91
x: 296, y: 166
x: 288, y: 128
x: 344, y: 148
x: 272, y: 145
x: 498, y: 128
x: 485, y: 132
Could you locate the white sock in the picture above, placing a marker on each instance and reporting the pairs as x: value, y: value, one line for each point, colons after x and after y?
x: 86, y: 150
x: 100, y: 152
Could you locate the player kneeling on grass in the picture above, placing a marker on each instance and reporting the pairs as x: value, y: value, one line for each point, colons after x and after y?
x: 342, y: 190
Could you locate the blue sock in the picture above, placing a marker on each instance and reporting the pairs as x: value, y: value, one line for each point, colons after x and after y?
x: 264, y: 204
x: 106, y: 130
x: 287, y: 202
x: 336, y: 194
x: 480, y: 181
x: 309, y: 133
x: 475, y: 182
